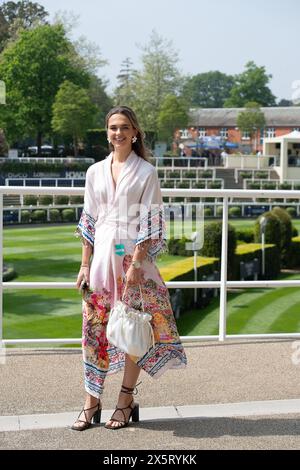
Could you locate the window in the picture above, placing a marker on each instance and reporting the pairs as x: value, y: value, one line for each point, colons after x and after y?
x: 202, y: 131
x: 297, y: 129
x: 224, y: 132
x: 270, y: 132
x: 246, y: 135
x: 185, y: 134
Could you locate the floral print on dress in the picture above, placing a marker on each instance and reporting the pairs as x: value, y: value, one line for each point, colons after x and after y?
x: 86, y: 228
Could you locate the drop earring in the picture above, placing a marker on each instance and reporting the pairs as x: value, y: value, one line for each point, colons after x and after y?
x: 108, y: 140
x: 134, y: 139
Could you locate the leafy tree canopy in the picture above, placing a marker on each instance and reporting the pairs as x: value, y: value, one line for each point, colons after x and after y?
x: 251, y: 85
x: 208, y: 90
x: 73, y: 112
x: 172, y: 115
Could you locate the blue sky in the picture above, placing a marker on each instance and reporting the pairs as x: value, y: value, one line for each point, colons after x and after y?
x: 209, y: 35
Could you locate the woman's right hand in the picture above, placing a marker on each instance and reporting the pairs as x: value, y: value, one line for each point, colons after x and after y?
x: 84, y: 274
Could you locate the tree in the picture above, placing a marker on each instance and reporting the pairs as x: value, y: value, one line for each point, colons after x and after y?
x: 20, y: 15
x: 251, y: 119
x: 208, y: 90
x: 158, y: 78
x: 73, y: 112
x: 124, y: 92
x: 251, y: 85
x: 285, y: 102
x: 100, y: 99
x: 4, y: 34
x: 172, y: 115
x: 3, y: 144
x: 33, y: 68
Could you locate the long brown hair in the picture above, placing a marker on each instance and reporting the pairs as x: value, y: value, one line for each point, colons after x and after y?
x: 139, y: 145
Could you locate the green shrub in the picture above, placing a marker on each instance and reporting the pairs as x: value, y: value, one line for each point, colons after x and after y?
x: 183, y: 185
x: 215, y: 185
x: 295, y: 232
x: 272, y: 231
x: 207, y: 174
x: 174, y: 174
x: 245, y: 174
x: 251, y: 251
x: 190, y: 174
x: 268, y: 185
x: 219, y: 211
x: 208, y: 212
x: 68, y: 215
x: 285, y: 186
x: 293, y: 255
x: 61, y: 200
x: 246, y: 235
x: 261, y: 175
x: 253, y: 185
x: 167, y: 184
x: 183, y: 270
x: 25, y: 217
x: 212, y: 243
x: 30, y: 200
x: 76, y: 199
x: 39, y: 215
x: 292, y: 211
x: 54, y: 215
x: 199, y: 185
x: 234, y: 211
x: 285, y: 231
x: 161, y: 173
x: 46, y: 200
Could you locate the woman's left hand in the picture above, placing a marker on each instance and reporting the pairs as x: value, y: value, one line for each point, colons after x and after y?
x: 133, y: 276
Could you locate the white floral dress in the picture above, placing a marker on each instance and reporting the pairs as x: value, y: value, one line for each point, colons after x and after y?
x: 116, y: 218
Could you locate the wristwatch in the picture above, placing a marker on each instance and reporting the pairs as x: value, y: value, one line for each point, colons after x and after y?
x: 136, y: 264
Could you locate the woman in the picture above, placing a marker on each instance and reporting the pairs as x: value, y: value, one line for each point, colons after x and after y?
x: 122, y: 226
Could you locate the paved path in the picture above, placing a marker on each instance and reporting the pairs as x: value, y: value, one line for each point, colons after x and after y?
x: 232, y: 395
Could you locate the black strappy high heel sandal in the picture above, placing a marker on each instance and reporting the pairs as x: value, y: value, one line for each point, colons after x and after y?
x: 95, y: 418
x: 134, y: 410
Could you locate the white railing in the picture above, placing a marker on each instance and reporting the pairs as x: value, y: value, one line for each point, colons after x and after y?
x: 51, y: 160
x: 277, y: 183
x: 40, y: 182
x: 223, y: 284
x: 180, y: 162
x: 253, y: 172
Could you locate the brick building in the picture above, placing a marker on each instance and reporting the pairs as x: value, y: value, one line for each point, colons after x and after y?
x: 222, y: 122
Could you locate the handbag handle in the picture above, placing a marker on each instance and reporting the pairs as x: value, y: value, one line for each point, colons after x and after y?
x: 143, y: 307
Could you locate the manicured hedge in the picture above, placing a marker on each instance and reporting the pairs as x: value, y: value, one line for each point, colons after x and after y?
x: 183, y: 270
x: 250, y: 251
x: 293, y: 258
x: 213, y: 241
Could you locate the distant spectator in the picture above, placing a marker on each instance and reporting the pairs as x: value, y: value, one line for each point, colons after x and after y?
x: 224, y: 156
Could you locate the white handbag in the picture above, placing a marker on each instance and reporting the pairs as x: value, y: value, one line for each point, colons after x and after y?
x: 129, y: 329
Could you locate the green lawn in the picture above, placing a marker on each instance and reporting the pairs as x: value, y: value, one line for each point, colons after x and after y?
x: 53, y: 254
x: 251, y: 311
x: 44, y: 254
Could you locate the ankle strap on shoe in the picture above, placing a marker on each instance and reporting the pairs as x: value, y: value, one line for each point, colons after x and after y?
x: 129, y: 390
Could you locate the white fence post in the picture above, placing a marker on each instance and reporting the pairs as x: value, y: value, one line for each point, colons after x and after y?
x: 223, y: 288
